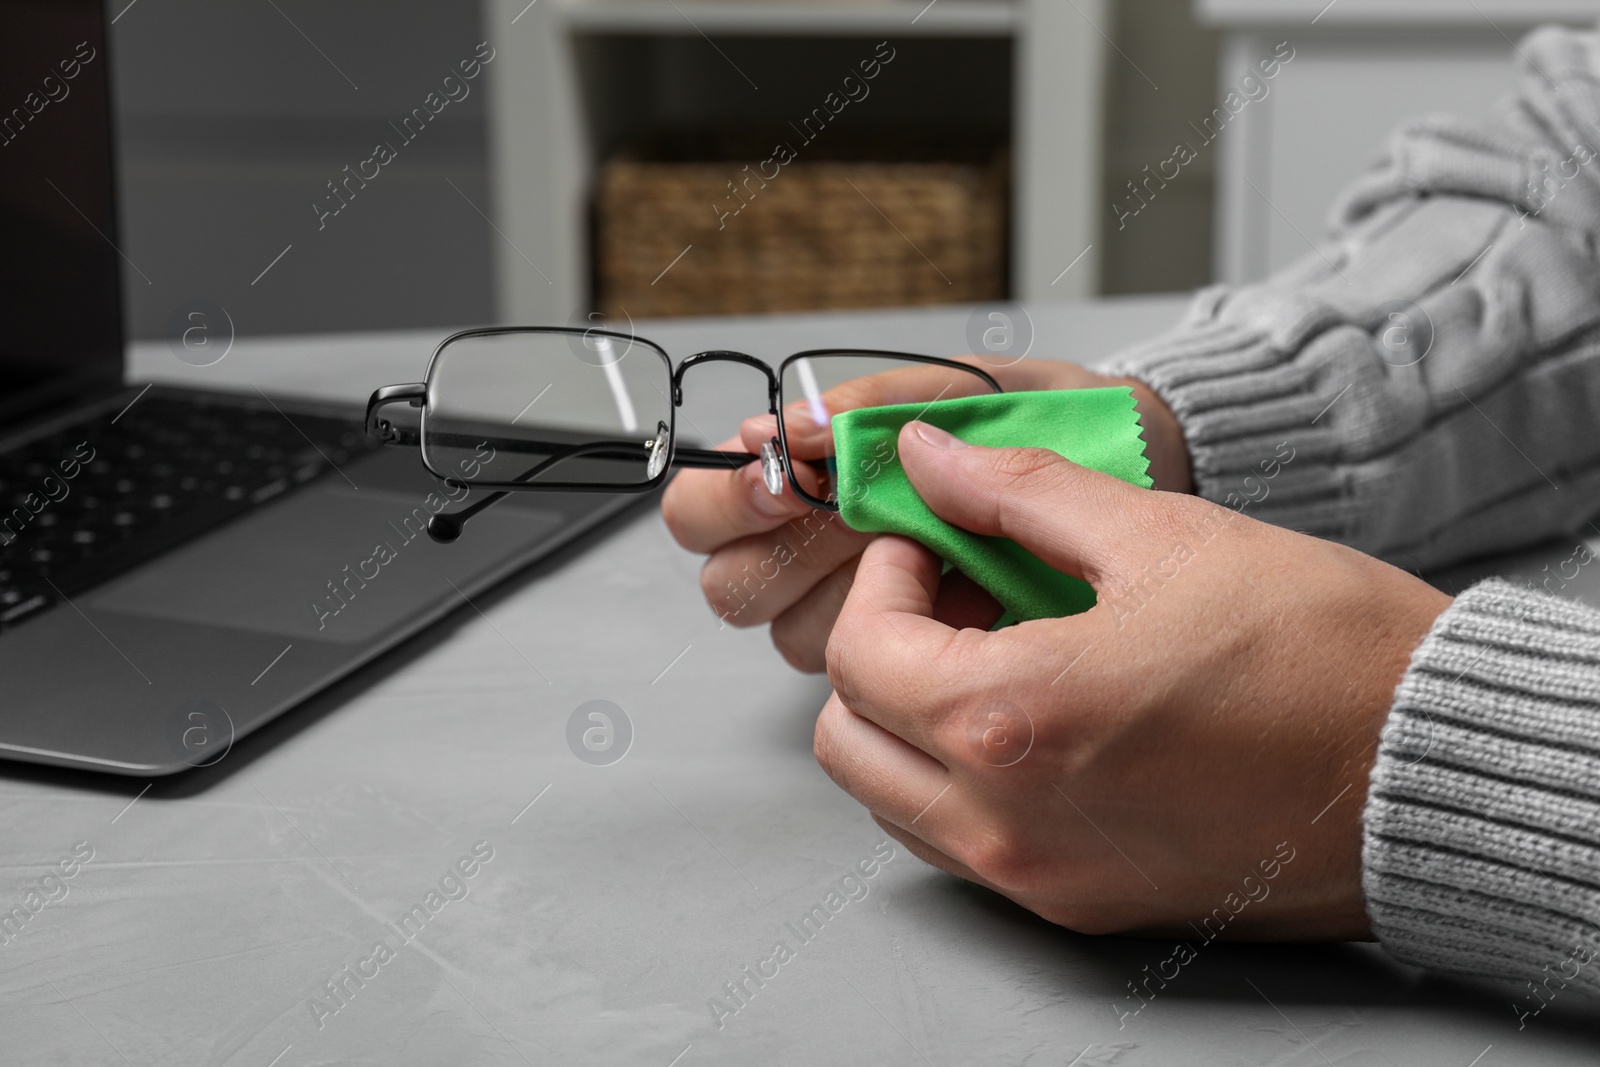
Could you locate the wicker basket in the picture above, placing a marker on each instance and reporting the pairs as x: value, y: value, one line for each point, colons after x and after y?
x: 823, y: 234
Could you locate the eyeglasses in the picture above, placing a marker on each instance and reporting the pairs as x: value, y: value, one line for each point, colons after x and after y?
x: 558, y: 409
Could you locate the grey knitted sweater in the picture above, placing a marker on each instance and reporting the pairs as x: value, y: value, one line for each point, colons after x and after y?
x: 1435, y: 366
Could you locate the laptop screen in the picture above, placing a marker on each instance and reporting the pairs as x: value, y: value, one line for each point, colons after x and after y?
x: 60, y: 305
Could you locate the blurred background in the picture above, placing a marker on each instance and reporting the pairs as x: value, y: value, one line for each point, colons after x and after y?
x: 682, y: 157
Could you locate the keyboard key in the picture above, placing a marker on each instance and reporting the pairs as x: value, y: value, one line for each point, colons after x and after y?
x: 27, y: 607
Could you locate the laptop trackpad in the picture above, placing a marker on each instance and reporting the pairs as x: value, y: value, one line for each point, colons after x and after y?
x: 327, y: 563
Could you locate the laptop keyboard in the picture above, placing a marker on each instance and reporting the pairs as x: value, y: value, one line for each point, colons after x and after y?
x: 94, y: 499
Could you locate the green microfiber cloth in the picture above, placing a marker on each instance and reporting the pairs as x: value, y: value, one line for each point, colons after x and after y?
x: 1096, y: 428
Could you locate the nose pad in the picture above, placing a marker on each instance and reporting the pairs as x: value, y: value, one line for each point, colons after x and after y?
x: 658, y: 451
x: 772, y: 467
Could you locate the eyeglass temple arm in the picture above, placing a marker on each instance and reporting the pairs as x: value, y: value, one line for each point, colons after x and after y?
x: 446, y: 526
x: 711, y: 459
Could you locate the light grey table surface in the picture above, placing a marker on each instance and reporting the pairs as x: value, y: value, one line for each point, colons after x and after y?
x: 218, y: 906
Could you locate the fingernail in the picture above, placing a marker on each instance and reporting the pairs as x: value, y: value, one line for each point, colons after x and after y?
x: 937, y: 437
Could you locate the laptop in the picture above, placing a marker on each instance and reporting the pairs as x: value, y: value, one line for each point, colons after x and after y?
x: 178, y: 567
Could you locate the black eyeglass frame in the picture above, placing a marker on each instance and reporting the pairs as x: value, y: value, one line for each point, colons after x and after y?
x: 416, y: 395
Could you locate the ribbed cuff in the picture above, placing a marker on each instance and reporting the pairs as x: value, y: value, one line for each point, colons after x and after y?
x: 1482, y: 825
x: 1276, y: 394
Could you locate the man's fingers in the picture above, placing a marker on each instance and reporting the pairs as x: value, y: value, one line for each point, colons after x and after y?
x: 1077, y: 520
x: 758, y: 430
x: 757, y: 578
x: 964, y: 604
x: 801, y: 633
x: 706, y: 509
x: 929, y: 854
x: 885, y: 652
x: 883, y: 772
x: 908, y: 792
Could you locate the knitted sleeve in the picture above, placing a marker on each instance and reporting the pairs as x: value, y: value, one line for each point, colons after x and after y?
x: 1434, y: 367
x: 1482, y: 825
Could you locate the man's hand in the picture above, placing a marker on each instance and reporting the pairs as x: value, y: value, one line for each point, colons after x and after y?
x: 751, y: 534
x: 1193, y: 749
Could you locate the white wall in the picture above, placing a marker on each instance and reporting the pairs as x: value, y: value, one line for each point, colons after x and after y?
x: 231, y: 122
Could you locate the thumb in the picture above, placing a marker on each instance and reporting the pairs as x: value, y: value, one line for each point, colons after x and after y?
x: 1079, y: 521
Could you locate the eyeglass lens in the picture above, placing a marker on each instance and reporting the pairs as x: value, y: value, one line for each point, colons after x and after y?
x: 537, y: 408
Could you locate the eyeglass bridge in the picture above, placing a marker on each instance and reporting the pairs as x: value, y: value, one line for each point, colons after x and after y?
x: 725, y: 356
